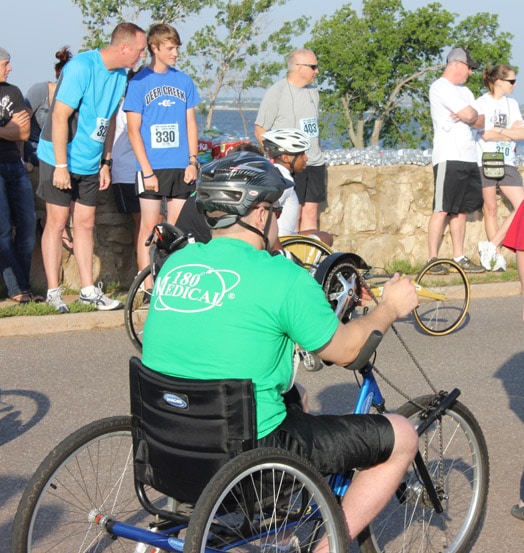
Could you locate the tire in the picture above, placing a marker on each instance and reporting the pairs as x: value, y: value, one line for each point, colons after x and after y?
x: 309, y: 361
x: 309, y: 251
x: 269, y: 498
x: 340, y: 278
x: 91, y: 469
x: 443, y: 299
x: 136, y: 308
x: 413, y: 526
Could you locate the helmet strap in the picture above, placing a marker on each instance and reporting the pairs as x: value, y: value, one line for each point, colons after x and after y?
x: 292, y: 164
x: 263, y: 235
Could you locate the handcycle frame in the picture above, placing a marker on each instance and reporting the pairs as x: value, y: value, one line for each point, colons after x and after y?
x: 426, y: 490
x: 449, y: 300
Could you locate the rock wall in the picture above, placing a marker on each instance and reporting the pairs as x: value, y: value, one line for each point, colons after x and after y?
x: 381, y: 213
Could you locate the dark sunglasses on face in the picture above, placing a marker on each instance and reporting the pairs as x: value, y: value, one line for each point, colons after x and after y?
x: 510, y: 81
x: 276, y: 210
x: 313, y: 66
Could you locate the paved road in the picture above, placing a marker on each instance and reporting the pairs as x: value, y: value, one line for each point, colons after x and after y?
x: 52, y: 384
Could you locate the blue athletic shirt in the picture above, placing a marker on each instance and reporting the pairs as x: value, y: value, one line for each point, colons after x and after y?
x: 162, y: 99
x: 94, y: 92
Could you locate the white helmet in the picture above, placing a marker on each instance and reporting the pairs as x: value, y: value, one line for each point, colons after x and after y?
x: 285, y: 141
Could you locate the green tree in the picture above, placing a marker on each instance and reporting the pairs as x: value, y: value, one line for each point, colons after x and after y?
x: 101, y: 16
x: 235, y: 52
x: 375, y: 69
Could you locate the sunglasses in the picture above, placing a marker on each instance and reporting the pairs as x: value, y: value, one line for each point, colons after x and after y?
x: 313, y: 66
x: 276, y: 210
x: 510, y: 81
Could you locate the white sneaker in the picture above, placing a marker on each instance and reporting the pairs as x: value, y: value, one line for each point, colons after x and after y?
x: 54, y: 298
x: 487, y: 252
x: 500, y: 264
x: 99, y: 299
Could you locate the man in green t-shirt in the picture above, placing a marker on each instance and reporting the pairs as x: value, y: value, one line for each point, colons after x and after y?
x: 229, y: 309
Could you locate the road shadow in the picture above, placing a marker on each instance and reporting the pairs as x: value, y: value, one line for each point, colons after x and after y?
x: 511, y: 376
x: 20, y: 410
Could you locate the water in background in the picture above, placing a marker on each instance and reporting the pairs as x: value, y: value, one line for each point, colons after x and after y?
x: 229, y: 122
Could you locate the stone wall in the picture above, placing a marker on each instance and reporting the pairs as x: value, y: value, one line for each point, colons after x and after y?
x: 379, y: 212
x: 382, y: 213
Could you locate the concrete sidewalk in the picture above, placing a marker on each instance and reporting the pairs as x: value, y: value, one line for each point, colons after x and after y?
x: 102, y: 320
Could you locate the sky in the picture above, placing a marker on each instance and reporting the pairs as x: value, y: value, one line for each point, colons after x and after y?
x: 37, y: 29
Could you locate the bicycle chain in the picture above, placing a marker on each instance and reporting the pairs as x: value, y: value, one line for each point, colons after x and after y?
x: 365, y: 285
x: 368, y: 289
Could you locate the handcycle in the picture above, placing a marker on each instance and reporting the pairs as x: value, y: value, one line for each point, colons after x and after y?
x: 86, y: 496
x: 443, y: 299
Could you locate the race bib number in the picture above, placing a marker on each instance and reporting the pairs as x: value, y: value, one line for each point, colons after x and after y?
x: 508, y: 151
x: 100, y: 132
x: 309, y: 127
x: 164, y: 136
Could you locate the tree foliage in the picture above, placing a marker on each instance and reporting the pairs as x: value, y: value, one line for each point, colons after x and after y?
x: 375, y: 69
x: 101, y: 16
x: 236, y: 53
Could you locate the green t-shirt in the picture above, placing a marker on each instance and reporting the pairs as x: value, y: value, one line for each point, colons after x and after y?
x: 227, y: 310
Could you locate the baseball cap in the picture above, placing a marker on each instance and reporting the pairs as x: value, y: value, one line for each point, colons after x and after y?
x: 4, y: 54
x: 459, y: 54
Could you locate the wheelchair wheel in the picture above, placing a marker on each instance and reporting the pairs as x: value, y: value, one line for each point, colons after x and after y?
x: 92, y: 469
x: 455, y: 453
x: 307, y: 249
x: 443, y: 298
x: 136, y: 308
x: 266, y: 500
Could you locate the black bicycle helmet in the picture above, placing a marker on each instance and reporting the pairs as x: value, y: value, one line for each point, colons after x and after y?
x: 236, y: 183
x: 285, y: 141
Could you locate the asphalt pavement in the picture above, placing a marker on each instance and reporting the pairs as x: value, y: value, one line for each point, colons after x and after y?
x: 60, y: 372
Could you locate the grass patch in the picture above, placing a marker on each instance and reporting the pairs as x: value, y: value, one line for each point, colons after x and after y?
x: 38, y: 309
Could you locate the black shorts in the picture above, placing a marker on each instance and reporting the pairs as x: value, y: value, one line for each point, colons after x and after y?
x: 334, y: 444
x: 311, y: 184
x: 170, y: 185
x: 84, y: 188
x: 457, y: 187
x: 126, y: 199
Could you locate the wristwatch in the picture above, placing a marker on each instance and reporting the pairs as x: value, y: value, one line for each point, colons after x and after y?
x: 108, y: 162
x: 194, y: 163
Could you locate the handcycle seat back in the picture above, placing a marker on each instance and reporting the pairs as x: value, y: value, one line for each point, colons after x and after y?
x: 185, y: 430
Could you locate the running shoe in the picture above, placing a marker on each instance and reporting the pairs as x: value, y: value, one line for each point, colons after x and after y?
x: 487, y: 252
x: 468, y: 266
x: 100, y: 300
x: 437, y: 269
x: 500, y: 264
x: 54, y: 298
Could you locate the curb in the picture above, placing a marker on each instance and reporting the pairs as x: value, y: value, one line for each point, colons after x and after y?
x: 104, y: 320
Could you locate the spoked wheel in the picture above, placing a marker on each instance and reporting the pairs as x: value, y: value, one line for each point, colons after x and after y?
x: 91, y: 470
x: 310, y: 251
x: 266, y: 500
x: 137, y: 307
x: 343, y: 289
x: 443, y: 298
x: 456, y: 455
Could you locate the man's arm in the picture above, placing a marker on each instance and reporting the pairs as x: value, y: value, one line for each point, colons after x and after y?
x: 259, y: 131
x: 398, y: 300
x: 191, y: 172
x: 105, y: 170
x: 134, y: 122
x: 60, y: 131
x: 18, y: 127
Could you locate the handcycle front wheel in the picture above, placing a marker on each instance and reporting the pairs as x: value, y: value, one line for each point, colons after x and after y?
x: 308, y: 250
x: 266, y: 500
x: 443, y: 298
x: 92, y: 469
x: 136, y: 308
x: 455, y: 453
